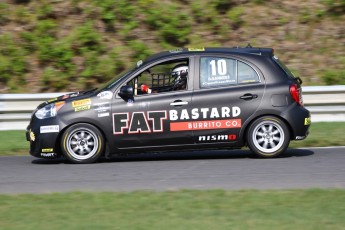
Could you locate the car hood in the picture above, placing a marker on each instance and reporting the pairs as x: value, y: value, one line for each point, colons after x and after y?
x: 66, y: 97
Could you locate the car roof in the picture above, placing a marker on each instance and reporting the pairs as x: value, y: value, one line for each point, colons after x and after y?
x: 219, y: 50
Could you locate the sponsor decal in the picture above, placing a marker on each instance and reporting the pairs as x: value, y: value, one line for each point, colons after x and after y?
x: 82, y: 102
x: 307, y: 121
x: 205, y: 125
x: 48, y: 154
x: 32, y: 136
x: 139, y: 122
x: 180, y: 120
x: 300, y: 137
x: 48, y: 150
x: 59, y: 105
x: 103, y: 114
x: 177, y: 50
x: 102, y: 107
x: 50, y: 129
x: 196, y: 49
x: 82, y: 108
x: 105, y: 95
x: 204, y: 113
x: 230, y: 137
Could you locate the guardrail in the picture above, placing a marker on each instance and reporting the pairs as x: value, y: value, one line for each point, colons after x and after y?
x: 326, y: 103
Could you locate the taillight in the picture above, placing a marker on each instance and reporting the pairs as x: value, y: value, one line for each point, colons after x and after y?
x: 296, y: 94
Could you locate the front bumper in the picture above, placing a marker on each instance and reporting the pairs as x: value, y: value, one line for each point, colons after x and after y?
x: 42, y: 145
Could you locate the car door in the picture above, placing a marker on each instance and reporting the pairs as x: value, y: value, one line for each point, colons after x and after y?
x: 228, y: 91
x: 144, y: 121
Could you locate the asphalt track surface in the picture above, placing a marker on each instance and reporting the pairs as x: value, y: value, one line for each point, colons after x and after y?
x: 234, y: 170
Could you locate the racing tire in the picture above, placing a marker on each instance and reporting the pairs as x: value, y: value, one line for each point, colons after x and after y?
x: 82, y: 143
x: 268, y: 137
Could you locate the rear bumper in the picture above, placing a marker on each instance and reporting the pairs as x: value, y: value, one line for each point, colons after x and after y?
x: 300, y: 120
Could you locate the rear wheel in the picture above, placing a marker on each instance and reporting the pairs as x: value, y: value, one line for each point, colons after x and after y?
x: 268, y: 137
x: 82, y: 143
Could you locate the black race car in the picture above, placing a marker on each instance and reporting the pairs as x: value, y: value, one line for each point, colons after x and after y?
x: 207, y: 98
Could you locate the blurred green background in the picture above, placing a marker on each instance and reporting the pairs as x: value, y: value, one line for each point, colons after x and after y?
x: 69, y: 45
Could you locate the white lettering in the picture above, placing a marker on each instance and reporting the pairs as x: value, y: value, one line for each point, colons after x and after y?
x: 49, y: 129
x: 103, y: 115
x: 47, y: 154
x: 184, y: 115
x: 225, y: 112
x: 214, y: 113
x: 195, y: 114
x: 204, y: 112
x: 173, y: 115
x: 236, y: 111
x: 217, y: 137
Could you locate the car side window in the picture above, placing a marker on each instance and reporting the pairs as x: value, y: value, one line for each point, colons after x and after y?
x: 246, y: 74
x: 217, y: 71
x: 163, y: 77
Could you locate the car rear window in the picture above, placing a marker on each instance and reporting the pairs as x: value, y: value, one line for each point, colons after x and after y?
x: 283, y: 67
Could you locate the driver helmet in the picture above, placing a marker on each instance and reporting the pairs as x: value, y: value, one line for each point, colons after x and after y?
x: 178, y: 71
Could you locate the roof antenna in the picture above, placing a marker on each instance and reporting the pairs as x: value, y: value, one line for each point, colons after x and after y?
x: 249, y: 46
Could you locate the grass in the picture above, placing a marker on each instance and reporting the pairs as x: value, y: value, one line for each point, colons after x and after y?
x: 321, y: 134
x: 13, y: 143
x: 214, y: 209
x: 45, y: 48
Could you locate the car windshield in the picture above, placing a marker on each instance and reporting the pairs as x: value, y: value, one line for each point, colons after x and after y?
x: 284, y: 67
x: 116, y: 79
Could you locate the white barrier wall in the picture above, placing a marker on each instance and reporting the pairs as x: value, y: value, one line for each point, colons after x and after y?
x: 326, y: 103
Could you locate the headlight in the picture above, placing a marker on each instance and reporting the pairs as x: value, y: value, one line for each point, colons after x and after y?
x: 49, y: 110
x: 46, y: 112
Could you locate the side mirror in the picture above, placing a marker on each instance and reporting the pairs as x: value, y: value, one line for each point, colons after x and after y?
x: 126, y: 92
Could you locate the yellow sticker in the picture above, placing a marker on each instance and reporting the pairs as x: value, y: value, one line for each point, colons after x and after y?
x: 81, y: 102
x: 307, y: 121
x: 47, y: 150
x: 32, y: 136
x: 82, y: 108
x: 51, y: 100
x: 196, y: 49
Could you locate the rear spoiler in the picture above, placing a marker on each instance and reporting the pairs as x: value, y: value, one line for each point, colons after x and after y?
x: 299, y: 80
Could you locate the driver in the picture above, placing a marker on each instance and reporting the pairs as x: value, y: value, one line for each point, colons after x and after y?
x: 179, y: 73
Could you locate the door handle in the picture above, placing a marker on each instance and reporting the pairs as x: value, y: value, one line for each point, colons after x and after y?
x: 179, y: 103
x: 248, y: 96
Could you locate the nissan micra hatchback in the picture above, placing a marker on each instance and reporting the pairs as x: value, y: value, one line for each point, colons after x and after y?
x: 183, y: 99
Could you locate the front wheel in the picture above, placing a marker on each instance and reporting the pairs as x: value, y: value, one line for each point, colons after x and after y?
x: 82, y: 143
x: 268, y: 137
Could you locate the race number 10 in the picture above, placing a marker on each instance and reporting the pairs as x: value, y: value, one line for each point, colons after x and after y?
x: 218, y: 67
